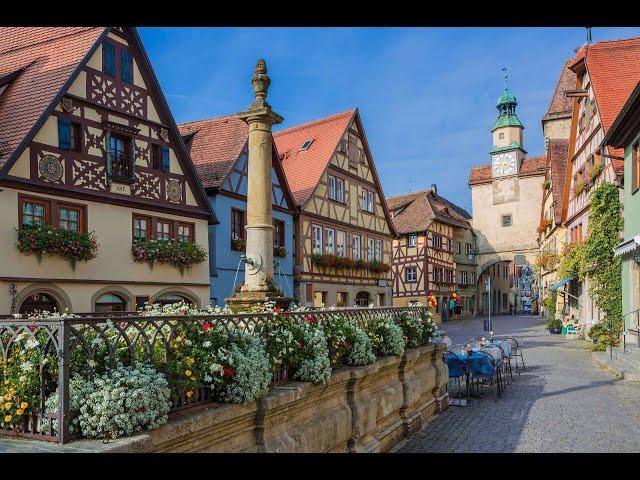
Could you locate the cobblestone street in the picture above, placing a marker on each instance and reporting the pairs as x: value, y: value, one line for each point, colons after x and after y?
x: 562, y: 403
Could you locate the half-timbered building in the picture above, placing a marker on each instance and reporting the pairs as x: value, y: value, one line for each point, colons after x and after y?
x: 218, y: 149
x: 88, y: 144
x: 606, y: 74
x: 344, y: 231
x: 423, y: 253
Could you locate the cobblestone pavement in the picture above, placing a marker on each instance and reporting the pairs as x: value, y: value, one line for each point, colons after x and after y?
x: 562, y: 403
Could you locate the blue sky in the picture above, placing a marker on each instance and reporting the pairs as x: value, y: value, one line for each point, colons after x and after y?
x: 426, y: 95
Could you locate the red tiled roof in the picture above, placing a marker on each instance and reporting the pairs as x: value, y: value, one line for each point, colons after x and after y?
x: 304, y: 168
x: 614, y: 71
x: 48, y: 55
x: 215, y: 146
x: 618, y: 166
x: 415, y: 211
x: 561, y: 105
x: 480, y: 174
x: 529, y: 166
x: 557, y: 156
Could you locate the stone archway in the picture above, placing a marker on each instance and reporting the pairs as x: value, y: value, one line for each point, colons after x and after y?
x: 181, y: 291
x: 55, y: 292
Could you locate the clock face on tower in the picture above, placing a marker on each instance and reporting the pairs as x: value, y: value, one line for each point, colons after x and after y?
x: 504, y: 164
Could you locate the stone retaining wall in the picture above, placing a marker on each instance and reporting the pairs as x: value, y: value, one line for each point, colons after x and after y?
x: 360, y: 409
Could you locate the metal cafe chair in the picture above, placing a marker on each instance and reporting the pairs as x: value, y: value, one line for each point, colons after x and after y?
x: 444, y: 340
x: 516, y: 351
x: 483, y: 366
x: 498, y: 355
x: 505, y: 348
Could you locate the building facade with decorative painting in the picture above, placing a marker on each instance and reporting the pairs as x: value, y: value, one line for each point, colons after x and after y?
x: 218, y: 148
x: 506, y: 197
x: 606, y: 73
x: 343, y: 230
x: 89, y: 147
x: 430, y: 229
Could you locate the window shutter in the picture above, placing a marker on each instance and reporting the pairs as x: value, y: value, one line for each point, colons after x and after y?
x: 126, y: 66
x: 64, y: 133
x: 108, y: 159
x: 131, y: 144
x: 108, y: 59
x: 165, y: 158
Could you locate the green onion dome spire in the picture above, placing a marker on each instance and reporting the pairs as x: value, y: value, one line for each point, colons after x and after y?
x: 507, y: 107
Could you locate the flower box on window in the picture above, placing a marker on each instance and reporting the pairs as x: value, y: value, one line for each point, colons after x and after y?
x: 177, y: 253
x: 40, y: 239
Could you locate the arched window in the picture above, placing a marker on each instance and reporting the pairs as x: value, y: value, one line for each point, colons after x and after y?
x: 363, y: 299
x: 111, y: 302
x: 39, y: 301
x: 169, y: 298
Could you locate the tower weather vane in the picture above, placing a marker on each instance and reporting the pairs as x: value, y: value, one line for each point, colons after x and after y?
x: 506, y: 78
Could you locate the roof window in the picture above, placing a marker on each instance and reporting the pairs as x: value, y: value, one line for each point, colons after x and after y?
x: 306, y: 145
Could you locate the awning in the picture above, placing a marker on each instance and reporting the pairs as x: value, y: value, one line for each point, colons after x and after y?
x: 557, y: 285
x: 627, y: 246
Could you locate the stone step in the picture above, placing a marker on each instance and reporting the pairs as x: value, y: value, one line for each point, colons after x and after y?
x: 621, y: 368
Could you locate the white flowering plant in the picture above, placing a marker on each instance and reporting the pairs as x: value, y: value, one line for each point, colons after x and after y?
x: 386, y: 337
x: 122, y: 402
x: 348, y: 343
x: 429, y: 327
x: 412, y: 328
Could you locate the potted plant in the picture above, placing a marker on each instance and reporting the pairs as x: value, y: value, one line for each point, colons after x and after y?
x: 554, y: 325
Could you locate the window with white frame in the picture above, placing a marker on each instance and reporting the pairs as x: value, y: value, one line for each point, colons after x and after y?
x: 341, y: 243
x: 437, y: 241
x: 411, y: 274
x: 413, y: 240
x: 357, y: 252
x: 317, y: 239
x: 468, y: 248
x: 379, y: 250
x: 437, y: 274
x: 330, y: 247
x: 332, y: 187
x: 366, y: 202
x: 464, y: 278
x: 473, y: 278
x: 339, y: 190
x: 371, y: 249
x: 458, y: 248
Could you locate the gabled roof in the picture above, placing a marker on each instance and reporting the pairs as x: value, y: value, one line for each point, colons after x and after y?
x: 530, y: 166
x: 557, y: 157
x: 47, y: 56
x: 614, y: 71
x: 414, y: 212
x: 304, y: 168
x: 51, y: 59
x: 627, y: 124
x: 215, y: 144
x: 561, y: 105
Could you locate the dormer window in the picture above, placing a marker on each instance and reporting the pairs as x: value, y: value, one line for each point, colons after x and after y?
x: 306, y: 145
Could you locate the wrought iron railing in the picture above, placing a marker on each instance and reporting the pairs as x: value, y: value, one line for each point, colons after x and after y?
x: 58, y: 348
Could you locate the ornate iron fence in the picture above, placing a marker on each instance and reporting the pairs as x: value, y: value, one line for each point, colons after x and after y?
x: 51, y: 350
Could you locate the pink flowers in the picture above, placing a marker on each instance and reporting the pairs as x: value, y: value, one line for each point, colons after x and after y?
x: 206, y: 326
x: 310, y: 318
x: 277, y: 310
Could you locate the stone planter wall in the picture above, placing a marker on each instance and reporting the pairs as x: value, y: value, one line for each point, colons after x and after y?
x: 360, y: 409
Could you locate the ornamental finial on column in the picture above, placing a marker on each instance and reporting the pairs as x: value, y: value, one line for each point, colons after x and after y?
x: 260, y: 82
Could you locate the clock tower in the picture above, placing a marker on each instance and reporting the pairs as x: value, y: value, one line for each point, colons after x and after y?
x: 507, y: 152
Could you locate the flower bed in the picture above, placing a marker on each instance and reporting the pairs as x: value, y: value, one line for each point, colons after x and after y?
x: 177, y: 253
x: 73, y: 246
x: 177, y: 356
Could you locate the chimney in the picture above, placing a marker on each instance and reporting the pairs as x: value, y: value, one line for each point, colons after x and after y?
x: 434, y: 188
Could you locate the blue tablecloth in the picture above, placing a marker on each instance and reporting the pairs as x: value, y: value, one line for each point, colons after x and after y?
x: 476, y: 363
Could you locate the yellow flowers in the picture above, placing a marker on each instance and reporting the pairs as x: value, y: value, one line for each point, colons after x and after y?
x: 19, y: 411
x: 189, y: 393
x: 24, y: 405
x: 7, y: 405
x: 191, y: 360
x: 8, y: 418
x: 188, y: 373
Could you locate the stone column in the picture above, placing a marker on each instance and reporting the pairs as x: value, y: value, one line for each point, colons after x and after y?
x: 259, y: 285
